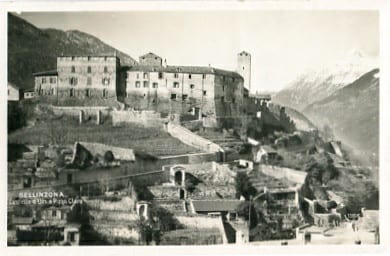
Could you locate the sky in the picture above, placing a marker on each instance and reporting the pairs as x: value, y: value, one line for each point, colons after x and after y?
x: 283, y: 44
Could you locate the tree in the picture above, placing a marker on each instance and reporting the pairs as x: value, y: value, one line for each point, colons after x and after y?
x: 16, y: 116
x: 249, y: 212
x: 244, y: 186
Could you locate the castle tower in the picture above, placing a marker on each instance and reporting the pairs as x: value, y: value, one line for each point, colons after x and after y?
x: 244, y: 68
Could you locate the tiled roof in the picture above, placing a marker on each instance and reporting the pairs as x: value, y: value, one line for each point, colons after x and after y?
x: 46, y: 73
x: 50, y: 223
x: 13, y: 85
x: 185, y: 69
x: 215, y: 205
x: 22, y: 220
x: 150, y: 54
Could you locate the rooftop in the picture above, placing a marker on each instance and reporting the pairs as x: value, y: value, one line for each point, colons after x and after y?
x: 22, y: 220
x: 185, y: 69
x: 215, y: 205
x: 46, y: 73
x: 150, y: 54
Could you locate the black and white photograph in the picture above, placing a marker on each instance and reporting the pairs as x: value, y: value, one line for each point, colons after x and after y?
x: 193, y: 127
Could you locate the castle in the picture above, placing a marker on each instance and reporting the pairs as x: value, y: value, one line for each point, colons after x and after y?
x: 150, y: 84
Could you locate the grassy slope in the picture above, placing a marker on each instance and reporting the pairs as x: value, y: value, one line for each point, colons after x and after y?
x: 151, y: 140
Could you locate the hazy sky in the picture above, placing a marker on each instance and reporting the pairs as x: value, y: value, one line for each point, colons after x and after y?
x: 282, y: 43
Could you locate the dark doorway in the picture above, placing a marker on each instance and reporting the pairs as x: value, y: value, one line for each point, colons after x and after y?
x: 182, y: 194
x: 178, y: 178
x: 27, y: 182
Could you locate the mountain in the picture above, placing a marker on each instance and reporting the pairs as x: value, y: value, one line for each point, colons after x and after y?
x: 352, y: 112
x: 315, y: 85
x: 31, y: 49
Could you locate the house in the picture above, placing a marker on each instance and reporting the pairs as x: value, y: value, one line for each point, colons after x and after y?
x: 29, y: 93
x: 216, y: 207
x: 265, y: 154
x: 14, y: 92
x: 23, y: 223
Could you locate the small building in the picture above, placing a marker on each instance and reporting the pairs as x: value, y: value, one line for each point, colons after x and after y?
x: 14, y: 93
x: 265, y: 154
x: 215, y: 207
x: 22, y: 223
x: 29, y: 93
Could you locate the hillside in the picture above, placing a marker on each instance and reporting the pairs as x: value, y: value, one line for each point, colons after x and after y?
x: 31, y: 49
x: 315, y: 85
x: 352, y: 113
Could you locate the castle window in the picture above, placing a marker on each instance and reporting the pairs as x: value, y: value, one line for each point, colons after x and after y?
x: 223, y: 88
x: 106, y: 81
x: 233, y: 100
x: 105, y: 93
x: 87, y: 92
x: 73, y: 69
x: 233, y: 79
x: 89, y: 69
x: 189, y: 76
x: 89, y: 80
x: 184, y: 96
x: 43, y: 80
x: 160, y: 75
x: 137, y: 75
x: 137, y: 84
x: 89, y: 58
x: 175, y: 75
x: 105, y: 70
x: 173, y: 96
x: 222, y: 98
x: 155, y: 85
x: 192, y: 86
x: 146, y: 84
x: 204, y: 93
x: 204, y: 76
x: 52, y: 80
x: 243, y: 68
x: 72, y: 57
x: 223, y: 78
x: 105, y: 58
x: 176, y: 85
x: 145, y: 75
x: 73, y: 80
x: 71, y: 93
x: 52, y: 91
